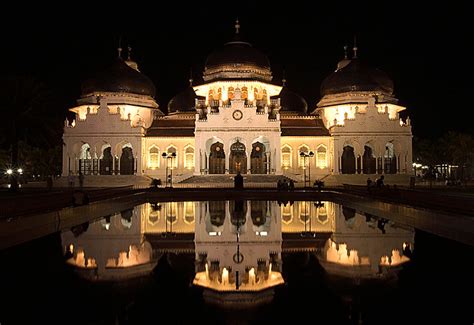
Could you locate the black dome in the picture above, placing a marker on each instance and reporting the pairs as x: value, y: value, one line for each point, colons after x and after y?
x: 119, y: 77
x: 356, y: 76
x: 237, y: 52
x: 185, y: 101
x: 291, y: 101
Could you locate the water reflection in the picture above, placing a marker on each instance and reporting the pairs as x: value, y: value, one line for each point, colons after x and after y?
x: 238, y: 245
x: 110, y: 249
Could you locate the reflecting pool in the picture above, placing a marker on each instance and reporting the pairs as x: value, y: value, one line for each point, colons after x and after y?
x: 238, y: 261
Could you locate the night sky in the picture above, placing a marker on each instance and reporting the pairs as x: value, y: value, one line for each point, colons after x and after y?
x: 424, y: 50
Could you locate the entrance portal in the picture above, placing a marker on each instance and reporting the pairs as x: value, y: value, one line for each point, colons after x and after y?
x: 238, y: 158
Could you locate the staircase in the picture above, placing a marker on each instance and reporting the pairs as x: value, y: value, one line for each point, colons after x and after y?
x: 227, y: 180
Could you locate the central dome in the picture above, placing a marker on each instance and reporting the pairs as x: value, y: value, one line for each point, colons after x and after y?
x: 237, y: 60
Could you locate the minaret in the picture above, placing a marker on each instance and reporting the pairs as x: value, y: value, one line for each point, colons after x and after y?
x: 355, y: 48
x: 341, y: 64
x: 132, y: 64
x: 237, y: 26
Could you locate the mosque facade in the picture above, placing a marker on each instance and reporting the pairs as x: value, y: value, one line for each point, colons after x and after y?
x: 238, y: 121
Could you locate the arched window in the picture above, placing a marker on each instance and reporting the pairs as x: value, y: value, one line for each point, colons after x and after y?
x: 173, y: 163
x: 189, y: 212
x: 211, y: 95
x: 154, y: 157
x: 230, y: 93
x: 286, y: 213
x: 304, y: 211
x: 322, y: 213
x: 321, y: 157
x: 86, y: 151
x: 390, y: 160
x: 171, y: 212
x: 219, y: 93
x: 301, y: 160
x: 189, y: 157
x: 286, y: 157
x: 245, y: 93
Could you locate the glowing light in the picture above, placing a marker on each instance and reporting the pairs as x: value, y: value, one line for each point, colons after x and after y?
x: 225, y: 277
x: 20, y: 171
x: 9, y: 171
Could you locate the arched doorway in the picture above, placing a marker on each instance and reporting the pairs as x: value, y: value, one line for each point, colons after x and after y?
x: 238, y: 158
x: 106, y: 161
x: 369, y: 161
x: 217, y: 159
x: 348, y: 161
x: 85, y: 160
x: 238, y: 212
x: 217, y: 212
x: 126, y: 161
x: 258, y: 212
x: 390, y: 160
x: 258, y: 159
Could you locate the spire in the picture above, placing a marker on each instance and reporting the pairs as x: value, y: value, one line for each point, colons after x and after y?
x: 283, y: 81
x: 345, y: 52
x: 237, y: 26
x: 190, y: 77
x: 129, y: 48
x: 119, y: 48
x: 355, y: 48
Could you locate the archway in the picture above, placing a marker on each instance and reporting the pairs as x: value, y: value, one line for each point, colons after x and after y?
x: 390, y: 160
x: 126, y: 160
x: 258, y: 159
x: 106, y: 161
x: 368, y: 161
x: 217, y: 159
x: 85, y: 159
x: 258, y: 212
x: 348, y: 161
x: 217, y: 212
x: 238, y: 158
x: 238, y: 212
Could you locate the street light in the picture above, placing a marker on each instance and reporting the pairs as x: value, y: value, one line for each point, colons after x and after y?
x: 305, y: 155
x: 167, y: 157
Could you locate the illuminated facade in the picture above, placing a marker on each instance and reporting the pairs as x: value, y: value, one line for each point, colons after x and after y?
x: 238, y: 121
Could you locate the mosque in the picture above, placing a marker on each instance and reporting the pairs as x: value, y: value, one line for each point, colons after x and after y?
x: 238, y: 120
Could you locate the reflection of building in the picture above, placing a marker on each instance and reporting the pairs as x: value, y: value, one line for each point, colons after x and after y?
x: 110, y: 249
x: 238, y: 120
x: 238, y: 250
x: 365, y: 245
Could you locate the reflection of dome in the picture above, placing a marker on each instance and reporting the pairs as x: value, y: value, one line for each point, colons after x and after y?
x: 356, y: 76
x: 291, y: 101
x: 119, y: 77
x: 237, y: 59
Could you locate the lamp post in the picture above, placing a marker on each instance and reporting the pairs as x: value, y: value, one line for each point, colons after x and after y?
x: 305, y: 155
x: 168, y: 157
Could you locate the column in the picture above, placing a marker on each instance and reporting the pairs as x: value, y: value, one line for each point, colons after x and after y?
x: 248, y: 153
x: 227, y: 158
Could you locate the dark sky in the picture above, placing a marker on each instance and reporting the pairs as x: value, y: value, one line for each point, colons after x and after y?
x: 424, y: 50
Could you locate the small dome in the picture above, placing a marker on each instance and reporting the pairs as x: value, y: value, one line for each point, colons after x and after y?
x: 356, y: 76
x: 119, y: 77
x: 185, y: 101
x: 291, y: 101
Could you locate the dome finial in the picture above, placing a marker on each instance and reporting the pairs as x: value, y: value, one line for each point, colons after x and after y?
x: 345, y: 52
x: 119, y: 48
x: 237, y: 26
x: 190, y: 77
x: 355, y: 47
x: 283, y: 81
x: 129, y: 48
